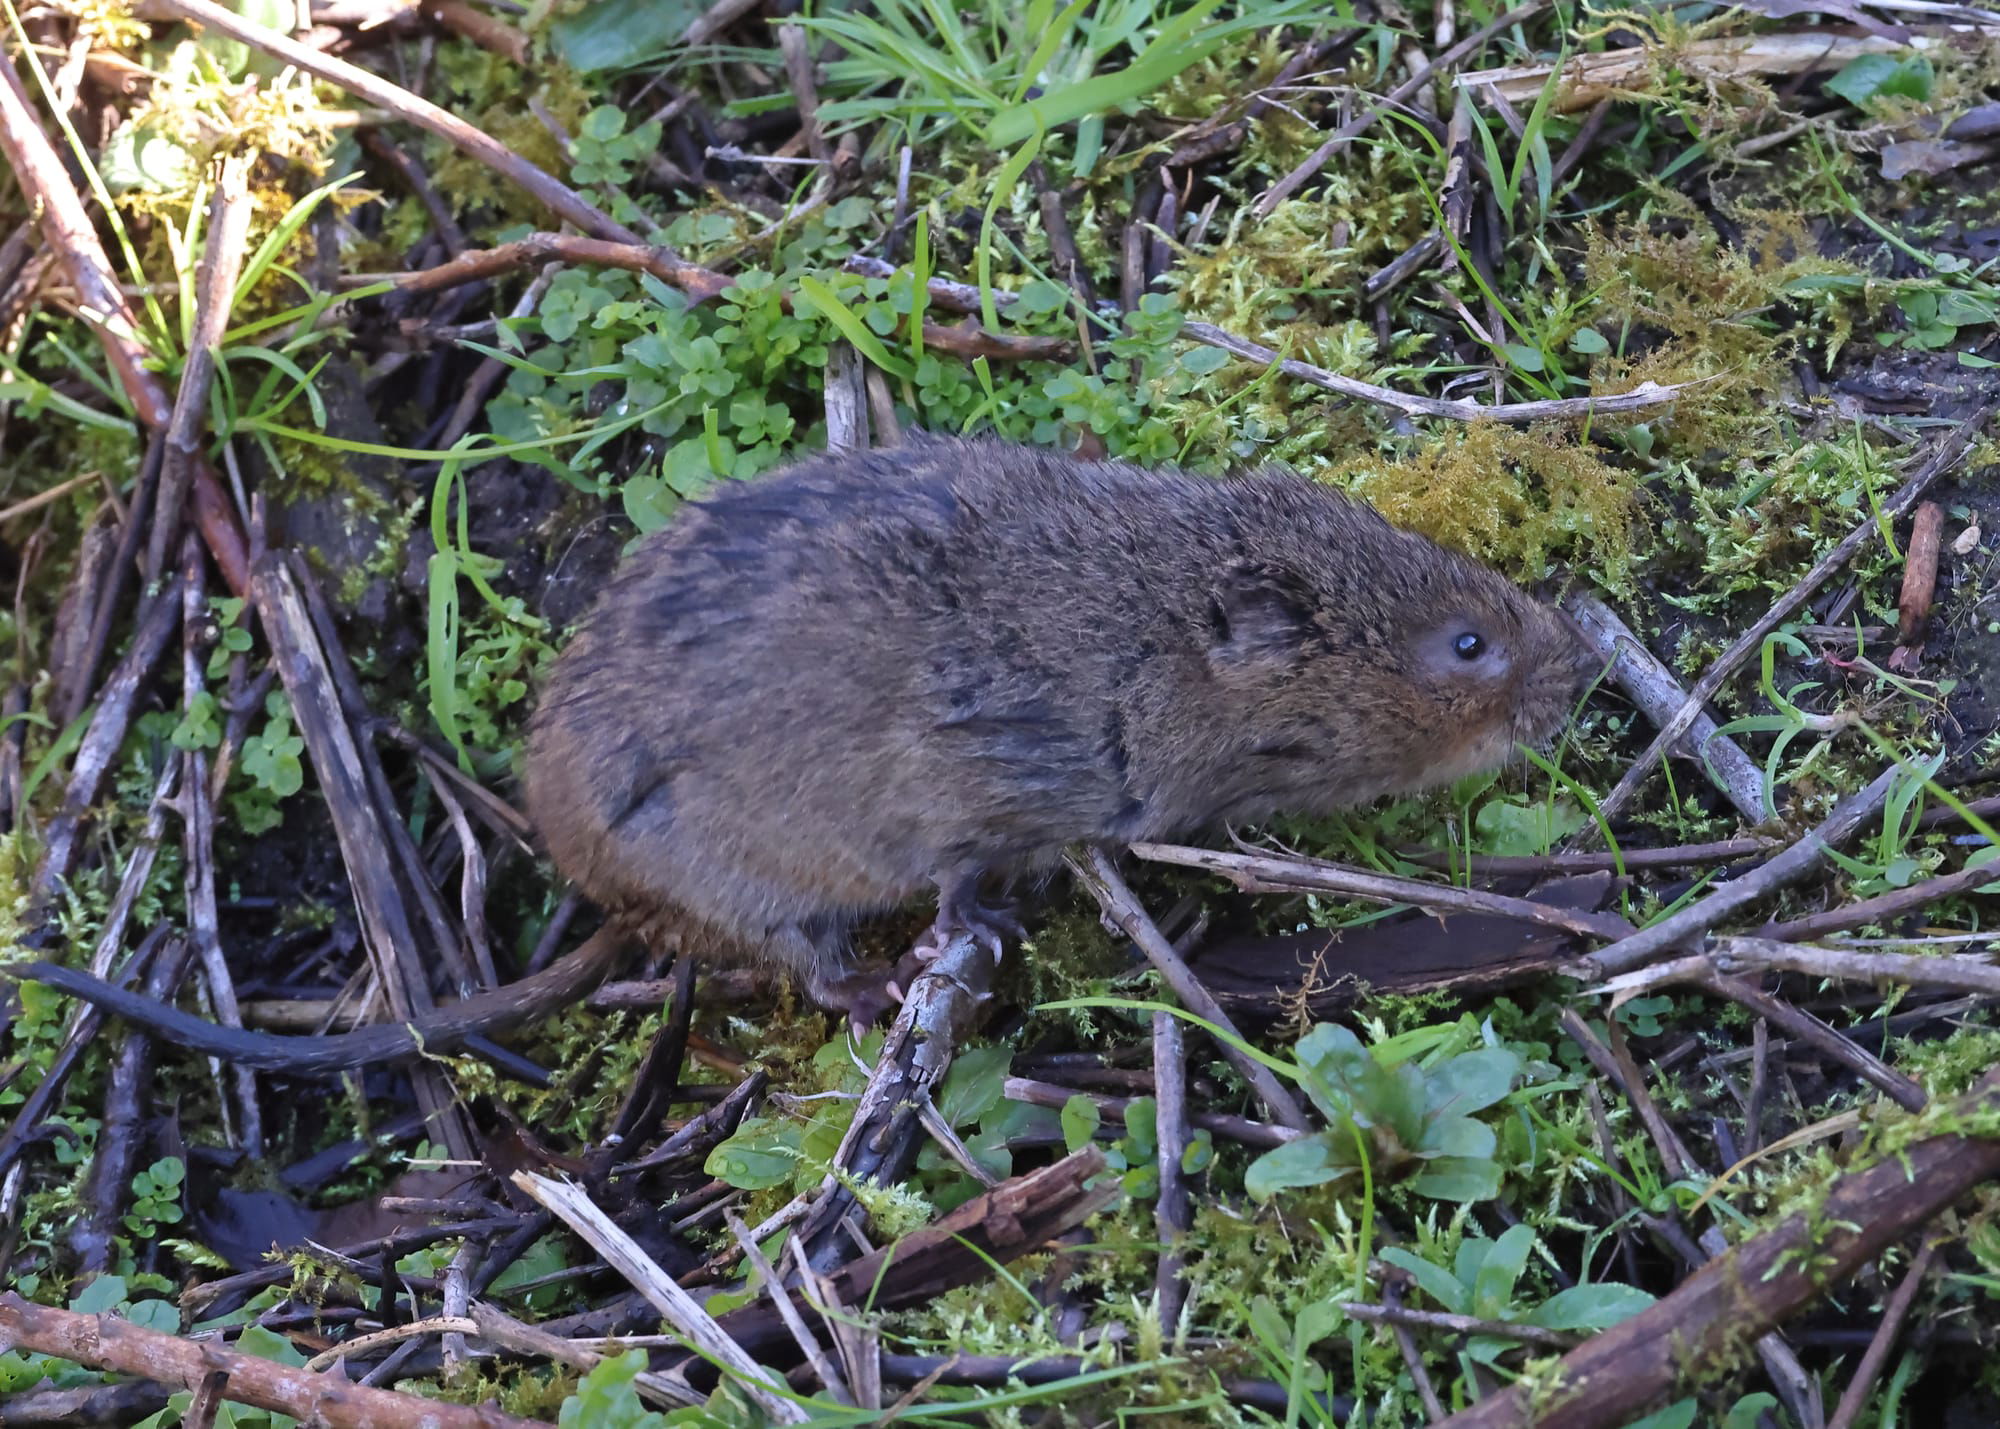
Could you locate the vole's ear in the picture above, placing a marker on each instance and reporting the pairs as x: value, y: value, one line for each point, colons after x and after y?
x: 1258, y: 614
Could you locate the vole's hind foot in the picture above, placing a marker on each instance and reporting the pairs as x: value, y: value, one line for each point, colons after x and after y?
x: 864, y: 994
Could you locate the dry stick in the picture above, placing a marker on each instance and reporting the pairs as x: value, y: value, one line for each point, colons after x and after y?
x: 302, y: 666
x: 1098, y: 874
x: 1284, y: 188
x: 1746, y: 1292
x: 105, y: 1342
x: 682, y: 1310
x: 702, y: 284
x: 85, y: 1022
x: 1855, y: 1397
x: 229, y: 213
x: 1789, y: 867
x: 1406, y: 1344
x: 1801, y: 1024
x: 1276, y: 873
x: 102, y: 741
x: 1643, y: 397
x: 1172, y: 1212
x: 1015, y: 1218
x: 561, y: 984
x: 77, y: 682
x: 1920, y: 567
x: 797, y: 53
x: 418, y: 182
x: 1508, y: 866
x: 1942, y: 457
x: 559, y: 198
x: 1229, y: 1128
x: 198, y: 845
x: 881, y: 1142
x: 1949, y: 973
x: 1456, y: 1324
x: 471, y: 23
x: 1882, y: 907
x: 69, y: 233
x: 503, y: 1331
x: 1614, y: 1063
x: 1062, y: 240
x: 781, y: 1301
x: 123, y: 1111
x: 1651, y: 686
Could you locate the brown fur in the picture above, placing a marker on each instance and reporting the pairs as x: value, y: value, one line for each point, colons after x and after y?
x: 815, y: 692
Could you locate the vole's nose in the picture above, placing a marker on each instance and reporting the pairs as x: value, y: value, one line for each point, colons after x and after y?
x: 1583, y: 657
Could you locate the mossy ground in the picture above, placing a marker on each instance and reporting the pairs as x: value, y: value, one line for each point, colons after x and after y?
x: 1808, y: 307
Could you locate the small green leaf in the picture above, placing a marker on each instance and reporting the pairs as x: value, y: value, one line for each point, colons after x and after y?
x: 1297, y: 1163
x: 1590, y: 1307
x: 1080, y: 1117
x: 1882, y: 76
x: 1457, y: 1179
x: 106, y: 1292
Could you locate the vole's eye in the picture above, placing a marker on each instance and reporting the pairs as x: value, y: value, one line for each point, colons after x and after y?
x: 1468, y: 645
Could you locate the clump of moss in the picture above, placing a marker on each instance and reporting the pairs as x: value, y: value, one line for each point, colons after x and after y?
x: 1726, y: 317
x: 1514, y: 498
x: 1267, y: 278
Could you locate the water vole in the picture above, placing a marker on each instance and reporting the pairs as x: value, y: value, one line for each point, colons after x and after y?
x: 815, y: 693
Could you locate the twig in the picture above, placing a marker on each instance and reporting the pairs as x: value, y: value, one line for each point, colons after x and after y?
x: 1614, y: 1063
x: 1920, y: 568
x: 1702, y: 972
x: 372, y: 89
x: 1855, y: 1397
x: 1275, y: 873
x: 1643, y: 397
x: 1406, y: 1344
x: 1942, y: 457
x: 1456, y: 1324
x: 796, y: 51
x: 1651, y: 686
x: 105, y: 1342
x: 1739, y: 1296
x: 69, y: 234
x: 1508, y: 866
x: 682, y: 1310
x: 1230, y: 1128
x: 443, y: 1029
x: 198, y: 850
x: 378, y: 143
x: 1787, y: 868
x: 1172, y: 1212
x: 122, y: 1112
x: 1949, y: 973
x: 229, y: 213
x: 781, y: 1301
x: 1098, y: 874
x: 1013, y: 1219
x: 482, y: 29
x: 881, y: 1142
x: 1590, y: 77
x: 103, y: 739
x: 1883, y: 906
x: 701, y: 284
x: 1284, y: 188
x: 498, y: 1328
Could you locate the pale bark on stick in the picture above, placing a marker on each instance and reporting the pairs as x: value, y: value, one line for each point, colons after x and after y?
x: 107, y: 1342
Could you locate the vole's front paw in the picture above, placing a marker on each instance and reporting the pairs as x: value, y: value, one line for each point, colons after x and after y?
x: 988, y: 925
